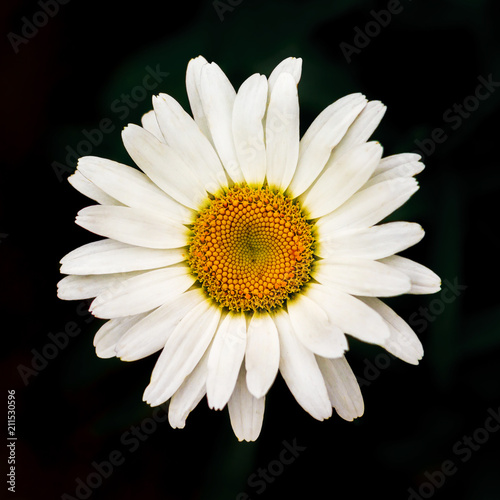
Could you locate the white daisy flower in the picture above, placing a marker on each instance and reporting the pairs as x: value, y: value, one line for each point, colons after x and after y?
x: 240, y: 250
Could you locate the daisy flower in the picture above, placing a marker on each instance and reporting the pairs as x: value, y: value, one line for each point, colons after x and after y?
x: 240, y: 250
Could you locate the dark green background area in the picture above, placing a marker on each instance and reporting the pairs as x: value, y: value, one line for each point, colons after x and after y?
x: 425, y: 65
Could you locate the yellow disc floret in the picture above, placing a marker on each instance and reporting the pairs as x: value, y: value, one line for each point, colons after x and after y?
x: 251, y: 248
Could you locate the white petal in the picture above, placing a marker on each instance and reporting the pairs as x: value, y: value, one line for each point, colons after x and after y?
x: 300, y: 371
x: 291, y: 65
x: 189, y: 394
x: 185, y: 137
x: 142, y: 293
x: 402, y: 341
x: 408, y: 169
x: 313, y: 328
x: 374, y: 242
x: 362, y: 277
x: 321, y: 137
x: 248, y: 132
x: 282, y: 132
x: 369, y: 206
x: 151, y: 334
x: 343, y: 388
x: 224, y: 361
x: 193, y: 78
x: 245, y: 411
x: 133, y: 226
x: 217, y: 96
x: 182, y: 352
x: 90, y: 190
x: 350, y: 314
x: 423, y: 280
x: 86, y: 287
x: 111, y: 332
x: 150, y: 123
x: 110, y: 256
x: 262, y: 354
x: 341, y: 179
x: 361, y: 129
x: 132, y: 188
x: 163, y: 166
x: 396, y: 161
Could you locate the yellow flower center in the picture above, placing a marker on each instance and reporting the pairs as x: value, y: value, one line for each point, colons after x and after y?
x: 251, y: 248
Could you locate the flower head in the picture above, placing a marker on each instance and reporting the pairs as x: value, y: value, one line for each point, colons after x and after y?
x: 240, y: 250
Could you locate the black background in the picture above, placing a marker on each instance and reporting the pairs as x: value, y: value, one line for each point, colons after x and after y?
x: 75, y: 409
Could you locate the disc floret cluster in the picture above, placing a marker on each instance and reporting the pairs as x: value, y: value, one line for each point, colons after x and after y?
x: 251, y: 249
